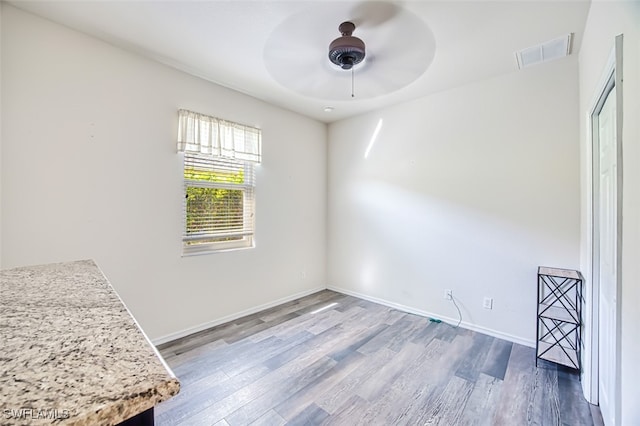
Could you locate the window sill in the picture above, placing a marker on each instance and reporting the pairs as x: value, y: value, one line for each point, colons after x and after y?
x: 214, y: 250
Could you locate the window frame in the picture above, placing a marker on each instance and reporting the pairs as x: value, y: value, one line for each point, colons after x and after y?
x: 248, y: 190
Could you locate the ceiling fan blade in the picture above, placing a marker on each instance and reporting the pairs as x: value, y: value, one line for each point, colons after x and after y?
x: 372, y: 14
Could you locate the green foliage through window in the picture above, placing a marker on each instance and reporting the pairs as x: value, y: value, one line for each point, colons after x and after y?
x: 219, y: 176
x: 216, y: 193
x: 212, y: 210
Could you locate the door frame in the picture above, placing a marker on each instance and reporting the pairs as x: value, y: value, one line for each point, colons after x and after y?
x: 612, y: 76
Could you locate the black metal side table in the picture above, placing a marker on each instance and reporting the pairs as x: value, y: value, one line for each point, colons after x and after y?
x: 558, y: 334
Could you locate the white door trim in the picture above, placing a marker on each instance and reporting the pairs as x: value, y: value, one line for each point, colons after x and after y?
x: 613, y: 70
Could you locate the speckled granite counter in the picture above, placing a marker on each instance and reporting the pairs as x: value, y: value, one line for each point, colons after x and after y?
x: 71, y: 352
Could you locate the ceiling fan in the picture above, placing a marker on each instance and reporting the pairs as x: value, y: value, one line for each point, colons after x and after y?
x: 399, y: 48
x: 347, y: 50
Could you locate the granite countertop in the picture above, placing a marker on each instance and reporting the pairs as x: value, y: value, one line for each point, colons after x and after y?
x: 71, y: 352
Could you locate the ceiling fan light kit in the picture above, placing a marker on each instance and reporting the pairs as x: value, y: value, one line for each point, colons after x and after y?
x: 347, y: 51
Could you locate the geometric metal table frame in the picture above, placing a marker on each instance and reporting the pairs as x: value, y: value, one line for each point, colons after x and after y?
x: 558, y: 332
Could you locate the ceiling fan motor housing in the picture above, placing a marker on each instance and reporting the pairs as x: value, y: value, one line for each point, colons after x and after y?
x: 346, y: 51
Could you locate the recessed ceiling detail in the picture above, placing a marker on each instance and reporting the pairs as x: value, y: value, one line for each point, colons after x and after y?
x: 399, y: 49
x: 276, y: 51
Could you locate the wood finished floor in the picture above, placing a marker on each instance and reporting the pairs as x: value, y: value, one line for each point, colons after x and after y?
x: 334, y: 359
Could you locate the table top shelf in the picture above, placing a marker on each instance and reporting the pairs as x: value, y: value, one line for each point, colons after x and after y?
x: 558, y: 272
x: 559, y: 313
x: 554, y: 353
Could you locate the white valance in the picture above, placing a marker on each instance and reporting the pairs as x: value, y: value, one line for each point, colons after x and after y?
x: 204, y: 134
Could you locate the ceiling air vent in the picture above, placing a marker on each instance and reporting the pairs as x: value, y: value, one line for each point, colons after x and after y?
x: 545, y: 52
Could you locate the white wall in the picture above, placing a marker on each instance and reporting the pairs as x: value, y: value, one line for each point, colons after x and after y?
x: 606, y: 20
x: 90, y: 170
x: 469, y: 189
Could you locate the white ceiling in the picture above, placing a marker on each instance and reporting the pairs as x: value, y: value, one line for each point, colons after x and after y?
x: 226, y: 42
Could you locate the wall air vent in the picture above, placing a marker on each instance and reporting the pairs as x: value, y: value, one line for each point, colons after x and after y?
x: 545, y: 52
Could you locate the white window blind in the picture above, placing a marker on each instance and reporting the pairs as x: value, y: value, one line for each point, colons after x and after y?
x: 219, y: 203
x: 204, y: 134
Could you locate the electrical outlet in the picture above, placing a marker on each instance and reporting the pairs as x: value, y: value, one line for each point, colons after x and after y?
x: 448, y: 294
x: 487, y: 303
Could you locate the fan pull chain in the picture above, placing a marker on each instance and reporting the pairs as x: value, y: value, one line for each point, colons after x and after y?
x: 352, y: 91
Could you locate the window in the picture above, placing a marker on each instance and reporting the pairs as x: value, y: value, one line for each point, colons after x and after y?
x: 219, y: 184
x: 219, y: 203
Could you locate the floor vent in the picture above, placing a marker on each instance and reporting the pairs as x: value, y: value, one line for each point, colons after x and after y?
x: 545, y: 52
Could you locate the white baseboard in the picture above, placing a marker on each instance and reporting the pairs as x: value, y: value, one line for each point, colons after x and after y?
x: 187, y: 331
x: 463, y: 324
x: 182, y: 333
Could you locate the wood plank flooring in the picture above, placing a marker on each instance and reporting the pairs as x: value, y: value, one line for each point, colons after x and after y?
x: 337, y: 360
